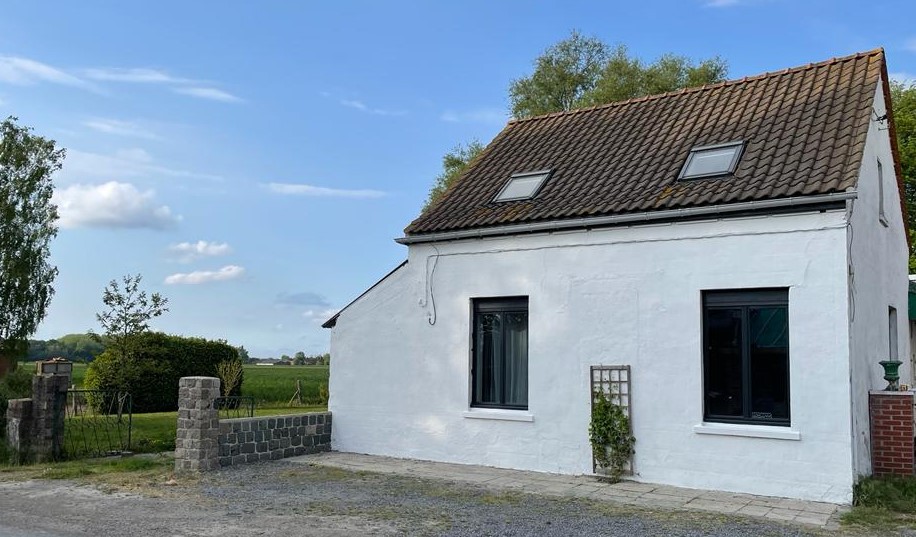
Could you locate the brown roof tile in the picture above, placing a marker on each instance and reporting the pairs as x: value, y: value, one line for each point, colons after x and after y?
x: 803, y: 128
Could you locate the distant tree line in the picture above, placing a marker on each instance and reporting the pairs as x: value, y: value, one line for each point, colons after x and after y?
x: 73, y: 347
x: 300, y: 358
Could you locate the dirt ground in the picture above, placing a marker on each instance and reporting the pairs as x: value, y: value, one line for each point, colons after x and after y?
x: 280, y: 498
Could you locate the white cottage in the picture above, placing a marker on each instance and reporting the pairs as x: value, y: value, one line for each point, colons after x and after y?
x: 741, y: 247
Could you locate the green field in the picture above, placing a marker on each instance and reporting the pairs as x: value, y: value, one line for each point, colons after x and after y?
x: 269, y: 385
x: 277, y: 384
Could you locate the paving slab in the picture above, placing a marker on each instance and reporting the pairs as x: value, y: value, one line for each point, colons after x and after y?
x: 819, y: 514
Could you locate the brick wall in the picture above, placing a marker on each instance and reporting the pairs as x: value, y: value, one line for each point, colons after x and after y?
x: 269, y: 438
x: 892, y: 444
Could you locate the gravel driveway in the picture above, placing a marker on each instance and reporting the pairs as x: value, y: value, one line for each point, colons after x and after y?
x: 281, y: 498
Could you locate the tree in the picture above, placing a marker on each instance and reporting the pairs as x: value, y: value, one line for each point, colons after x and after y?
x: 583, y: 71
x: 243, y: 354
x: 562, y: 76
x: 129, y: 313
x: 453, y: 165
x: 903, y: 100
x: 27, y: 225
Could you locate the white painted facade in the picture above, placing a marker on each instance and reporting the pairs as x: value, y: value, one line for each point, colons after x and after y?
x: 878, y: 280
x: 400, y: 381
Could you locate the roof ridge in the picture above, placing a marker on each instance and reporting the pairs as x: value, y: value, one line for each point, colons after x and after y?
x: 705, y: 87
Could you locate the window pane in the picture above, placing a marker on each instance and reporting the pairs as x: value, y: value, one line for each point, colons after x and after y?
x: 488, y: 351
x: 710, y: 161
x: 516, y: 344
x: 521, y: 187
x: 723, y: 364
x: 769, y: 348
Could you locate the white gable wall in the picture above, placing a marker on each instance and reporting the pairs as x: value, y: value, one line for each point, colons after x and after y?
x: 400, y: 386
x: 878, y: 266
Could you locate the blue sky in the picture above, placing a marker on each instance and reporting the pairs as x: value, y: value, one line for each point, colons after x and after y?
x: 254, y: 161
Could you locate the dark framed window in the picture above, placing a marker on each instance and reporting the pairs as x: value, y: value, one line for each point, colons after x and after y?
x: 499, y: 353
x: 712, y: 160
x: 746, y: 356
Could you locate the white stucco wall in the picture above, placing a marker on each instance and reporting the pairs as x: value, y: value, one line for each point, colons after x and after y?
x: 878, y: 279
x: 400, y: 386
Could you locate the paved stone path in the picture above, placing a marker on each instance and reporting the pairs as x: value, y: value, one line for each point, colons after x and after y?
x: 824, y: 515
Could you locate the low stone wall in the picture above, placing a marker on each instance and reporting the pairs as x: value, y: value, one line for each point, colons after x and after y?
x: 19, y: 429
x: 244, y: 440
x: 206, y: 442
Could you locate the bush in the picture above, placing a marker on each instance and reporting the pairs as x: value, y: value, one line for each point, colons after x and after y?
x: 152, y: 372
x: 15, y: 385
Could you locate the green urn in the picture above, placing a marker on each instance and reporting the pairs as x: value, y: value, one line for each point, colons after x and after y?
x: 891, y: 373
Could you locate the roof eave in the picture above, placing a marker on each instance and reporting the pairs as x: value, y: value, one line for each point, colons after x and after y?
x: 330, y: 323
x: 630, y: 218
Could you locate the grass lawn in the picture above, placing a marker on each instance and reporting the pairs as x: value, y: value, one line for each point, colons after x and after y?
x: 155, y: 466
x: 887, y: 503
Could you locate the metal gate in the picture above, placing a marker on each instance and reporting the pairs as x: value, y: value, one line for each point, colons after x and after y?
x: 96, y: 423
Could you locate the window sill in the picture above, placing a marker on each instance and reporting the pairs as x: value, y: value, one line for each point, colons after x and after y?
x: 751, y: 431
x: 497, y: 414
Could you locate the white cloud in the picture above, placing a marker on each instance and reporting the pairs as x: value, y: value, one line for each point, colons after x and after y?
x: 125, y: 163
x: 319, y: 316
x: 363, y: 107
x: 120, y: 128
x: 721, y: 3
x: 229, y: 272
x: 26, y: 72
x: 111, y: 205
x: 185, y: 252
x: 134, y: 76
x: 320, y: 191
x: 212, y: 94
x: 143, y: 75
x: 479, y: 115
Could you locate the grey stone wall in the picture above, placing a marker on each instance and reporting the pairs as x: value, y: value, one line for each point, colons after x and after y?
x: 196, y: 447
x: 269, y: 438
x: 19, y: 429
x: 35, y: 427
x: 204, y: 442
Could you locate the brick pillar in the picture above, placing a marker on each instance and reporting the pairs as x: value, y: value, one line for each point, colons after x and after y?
x: 19, y: 429
x: 48, y: 393
x: 197, y: 441
x: 892, y: 445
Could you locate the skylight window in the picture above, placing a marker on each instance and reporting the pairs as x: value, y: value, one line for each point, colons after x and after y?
x: 712, y: 160
x: 522, y: 186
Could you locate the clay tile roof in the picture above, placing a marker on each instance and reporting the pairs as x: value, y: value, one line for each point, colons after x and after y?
x: 803, y: 129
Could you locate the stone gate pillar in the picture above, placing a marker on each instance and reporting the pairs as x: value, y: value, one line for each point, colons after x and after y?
x: 49, y: 394
x: 197, y: 440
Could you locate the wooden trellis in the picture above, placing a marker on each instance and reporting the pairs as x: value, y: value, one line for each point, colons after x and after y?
x: 614, y: 382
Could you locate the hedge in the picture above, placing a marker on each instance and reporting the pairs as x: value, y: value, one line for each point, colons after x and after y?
x: 152, y: 372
